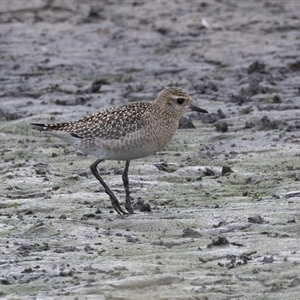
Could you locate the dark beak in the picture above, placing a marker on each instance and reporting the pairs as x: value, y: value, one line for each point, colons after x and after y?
x: 196, y: 108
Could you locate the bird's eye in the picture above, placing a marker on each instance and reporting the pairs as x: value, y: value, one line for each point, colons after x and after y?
x: 180, y: 101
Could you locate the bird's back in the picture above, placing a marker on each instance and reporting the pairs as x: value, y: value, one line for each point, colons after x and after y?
x: 117, y: 133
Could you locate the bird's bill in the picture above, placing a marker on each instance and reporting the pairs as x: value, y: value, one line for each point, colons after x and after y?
x: 196, y: 108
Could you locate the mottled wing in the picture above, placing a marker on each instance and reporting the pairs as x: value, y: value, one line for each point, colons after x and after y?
x: 112, y: 123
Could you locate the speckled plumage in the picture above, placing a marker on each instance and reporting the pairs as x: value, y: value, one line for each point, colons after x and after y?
x: 112, y: 123
x: 126, y: 132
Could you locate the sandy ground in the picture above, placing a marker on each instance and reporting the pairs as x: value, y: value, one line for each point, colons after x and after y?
x: 224, y: 196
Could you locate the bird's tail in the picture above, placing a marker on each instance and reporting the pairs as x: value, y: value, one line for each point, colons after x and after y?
x: 56, y: 126
x: 40, y: 127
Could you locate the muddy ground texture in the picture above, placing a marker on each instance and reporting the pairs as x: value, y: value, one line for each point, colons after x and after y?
x: 224, y: 196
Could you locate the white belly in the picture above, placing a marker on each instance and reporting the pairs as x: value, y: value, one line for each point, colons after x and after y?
x: 120, y: 149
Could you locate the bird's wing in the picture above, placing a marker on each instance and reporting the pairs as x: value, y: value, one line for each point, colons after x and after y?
x: 111, y: 123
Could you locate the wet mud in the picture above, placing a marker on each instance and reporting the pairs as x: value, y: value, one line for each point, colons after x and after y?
x: 224, y: 194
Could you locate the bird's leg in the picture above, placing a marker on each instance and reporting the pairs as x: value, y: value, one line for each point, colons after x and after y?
x: 114, y: 201
x: 128, y: 205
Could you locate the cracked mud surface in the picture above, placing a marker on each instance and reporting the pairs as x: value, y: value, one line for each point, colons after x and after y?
x: 224, y: 196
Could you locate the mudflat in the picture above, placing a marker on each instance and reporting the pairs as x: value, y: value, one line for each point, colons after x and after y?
x: 224, y: 194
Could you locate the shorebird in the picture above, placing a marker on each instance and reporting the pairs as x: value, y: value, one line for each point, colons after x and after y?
x: 125, y: 132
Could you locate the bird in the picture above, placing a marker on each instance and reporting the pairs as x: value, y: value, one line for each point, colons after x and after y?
x: 125, y: 132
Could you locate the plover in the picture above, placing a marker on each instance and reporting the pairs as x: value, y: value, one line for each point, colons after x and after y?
x: 125, y: 132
